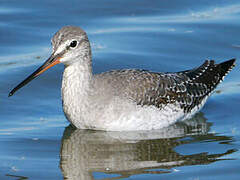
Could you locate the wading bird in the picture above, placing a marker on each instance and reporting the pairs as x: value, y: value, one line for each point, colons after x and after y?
x: 125, y: 100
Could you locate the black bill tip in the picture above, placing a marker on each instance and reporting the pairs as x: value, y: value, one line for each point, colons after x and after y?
x: 51, y: 61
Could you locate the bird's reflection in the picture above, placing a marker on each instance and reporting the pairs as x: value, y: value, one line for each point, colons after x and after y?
x: 84, y: 152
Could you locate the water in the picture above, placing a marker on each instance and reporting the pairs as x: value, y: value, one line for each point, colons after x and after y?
x: 35, y: 140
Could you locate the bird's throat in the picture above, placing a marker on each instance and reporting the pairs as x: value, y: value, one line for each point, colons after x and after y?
x: 76, y: 85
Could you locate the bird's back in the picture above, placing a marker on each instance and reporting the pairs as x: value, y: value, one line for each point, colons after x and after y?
x: 189, y: 88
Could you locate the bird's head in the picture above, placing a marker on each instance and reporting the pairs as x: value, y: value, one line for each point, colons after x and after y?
x: 70, y: 44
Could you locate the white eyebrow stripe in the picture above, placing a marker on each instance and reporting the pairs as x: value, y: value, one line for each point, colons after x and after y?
x: 61, y: 48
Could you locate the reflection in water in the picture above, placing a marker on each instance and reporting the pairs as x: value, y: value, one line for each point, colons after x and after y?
x: 84, y: 152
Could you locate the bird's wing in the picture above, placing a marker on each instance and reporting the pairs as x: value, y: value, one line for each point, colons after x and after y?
x: 144, y: 87
x: 187, y: 88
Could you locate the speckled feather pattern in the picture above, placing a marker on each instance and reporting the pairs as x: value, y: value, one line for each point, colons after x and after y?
x: 130, y: 99
x: 187, y: 88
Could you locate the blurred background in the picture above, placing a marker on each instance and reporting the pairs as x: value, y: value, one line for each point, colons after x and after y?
x: 35, y: 142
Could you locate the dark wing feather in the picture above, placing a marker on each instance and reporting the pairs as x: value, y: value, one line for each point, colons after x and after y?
x: 187, y: 88
x: 204, y: 79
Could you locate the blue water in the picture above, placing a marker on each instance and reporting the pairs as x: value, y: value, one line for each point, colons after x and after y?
x: 35, y: 140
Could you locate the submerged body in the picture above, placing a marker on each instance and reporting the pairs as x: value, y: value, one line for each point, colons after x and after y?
x: 136, y: 99
x: 125, y: 100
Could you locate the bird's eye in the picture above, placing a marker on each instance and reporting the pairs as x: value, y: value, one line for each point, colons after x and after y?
x: 73, y: 44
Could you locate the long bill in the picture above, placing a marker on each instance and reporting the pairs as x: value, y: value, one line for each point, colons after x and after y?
x: 50, y: 62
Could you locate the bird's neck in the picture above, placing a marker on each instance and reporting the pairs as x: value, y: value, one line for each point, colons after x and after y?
x: 76, y: 86
x: 77, y: 78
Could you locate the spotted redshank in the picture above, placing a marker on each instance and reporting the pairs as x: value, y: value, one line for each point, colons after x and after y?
x: 125, y: 100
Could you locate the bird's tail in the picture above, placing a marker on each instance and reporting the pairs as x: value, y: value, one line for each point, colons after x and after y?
x: 225, y: 67
x: 211, y: 74
x: 204, y: 79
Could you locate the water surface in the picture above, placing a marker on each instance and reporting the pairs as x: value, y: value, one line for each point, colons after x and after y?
x: 35, y: 138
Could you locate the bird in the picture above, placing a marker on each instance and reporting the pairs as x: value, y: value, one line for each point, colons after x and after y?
x: 125, y: 99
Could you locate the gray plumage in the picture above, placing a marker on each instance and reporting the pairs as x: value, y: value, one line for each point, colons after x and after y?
x: 128, y: 99
x: 188, y: 88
